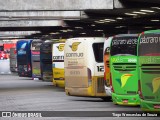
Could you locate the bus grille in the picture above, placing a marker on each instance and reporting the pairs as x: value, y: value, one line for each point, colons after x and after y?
x: 150, y: 67
x: 124, y: 66
x: 100, y: 85
x: 149, y: 97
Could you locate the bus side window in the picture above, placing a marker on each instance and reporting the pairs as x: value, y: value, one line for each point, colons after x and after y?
x: 98, y: 51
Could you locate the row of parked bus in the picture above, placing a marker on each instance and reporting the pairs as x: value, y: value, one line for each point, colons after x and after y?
x: 124, y: 67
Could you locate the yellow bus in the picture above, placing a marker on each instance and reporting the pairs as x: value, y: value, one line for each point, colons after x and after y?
x: 58, y: 63
x: 84, y: 68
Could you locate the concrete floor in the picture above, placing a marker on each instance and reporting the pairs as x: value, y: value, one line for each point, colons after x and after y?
x: 24, y: 94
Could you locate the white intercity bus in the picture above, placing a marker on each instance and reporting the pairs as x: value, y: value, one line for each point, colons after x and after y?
x: 84, y: 67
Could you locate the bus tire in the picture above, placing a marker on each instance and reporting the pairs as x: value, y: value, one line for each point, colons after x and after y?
x: 106, y: 99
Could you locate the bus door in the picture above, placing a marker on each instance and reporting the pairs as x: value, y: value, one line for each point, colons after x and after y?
x: 99, y: 67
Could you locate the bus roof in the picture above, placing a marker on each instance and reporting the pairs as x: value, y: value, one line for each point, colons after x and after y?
x: 152, y: 31
x: 100, y: 39
x: 126, y: 35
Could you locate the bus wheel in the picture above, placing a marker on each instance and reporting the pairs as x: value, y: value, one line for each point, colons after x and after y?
x: 106, y: 99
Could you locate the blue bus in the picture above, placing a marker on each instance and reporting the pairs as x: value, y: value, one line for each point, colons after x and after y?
x: 24, y: 58
x: 46, y: 61
x: 35, y: 58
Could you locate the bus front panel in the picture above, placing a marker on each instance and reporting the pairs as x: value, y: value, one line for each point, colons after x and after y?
x: 58, y: 64
x: 124, y: 70
x: 149, y: 62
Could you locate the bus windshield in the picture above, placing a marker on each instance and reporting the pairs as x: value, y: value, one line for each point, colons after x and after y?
x: 36, y: 45
x: 124, y: 46
x: 149, y: 45
x: 1, y: 48
x: 98, y: 51
x: 22, y: 52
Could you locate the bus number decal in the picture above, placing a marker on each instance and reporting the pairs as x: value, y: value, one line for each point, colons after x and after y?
x: 149, y: 60
x: 132, y: 60
x: 100, y: 68
x: 117, y: 60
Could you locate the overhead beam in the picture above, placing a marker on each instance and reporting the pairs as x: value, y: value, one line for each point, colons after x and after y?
x: 17, y: 33
x: 55, y: 4
x: 31, y: 23
x: 13, y: 15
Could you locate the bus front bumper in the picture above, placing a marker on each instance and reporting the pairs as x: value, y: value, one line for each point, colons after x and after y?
x: 47, y: 76
x: 126, y: 99
x: 85, y: 92
x: 149, y: 105
x: 59, y: 83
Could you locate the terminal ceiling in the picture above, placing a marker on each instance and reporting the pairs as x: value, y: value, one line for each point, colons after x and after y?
x: 129, y: 16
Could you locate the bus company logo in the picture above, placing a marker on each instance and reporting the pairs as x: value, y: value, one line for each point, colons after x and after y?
x: 22, y: 49
x: 155, y: 85
x: 61, y: 47
x: 124, y: 79
x: 107, y: 50
x: 74, y: 46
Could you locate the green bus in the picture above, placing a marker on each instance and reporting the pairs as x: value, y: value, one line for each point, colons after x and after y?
x: 149, y: 67
x: 124, y: 69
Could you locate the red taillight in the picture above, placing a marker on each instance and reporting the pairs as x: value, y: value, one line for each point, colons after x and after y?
x: 112, y: 89
x: 89, y: 76
x: 15, y: 52
x: 29, y: 67
x: 139, y: 90
x: 89, y: 73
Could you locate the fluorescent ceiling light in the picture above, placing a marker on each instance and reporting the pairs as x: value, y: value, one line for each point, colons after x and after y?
x: 155, y: 20
x: 93, y: 25
x: 104, y: 20
x: 63, y: 30
x: 119, y: 18
x: 110, y: 19
x: 98, y: 30
x: 79, y: 27
x: 120, y: 26
x: 139, y: 12
x: 82, y: 33
x: 156, y: 7
x: 69, y: 30
x: 54, y: 33
x: 99, y: 22
x: 147, y: 10
x: 130, y: 14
